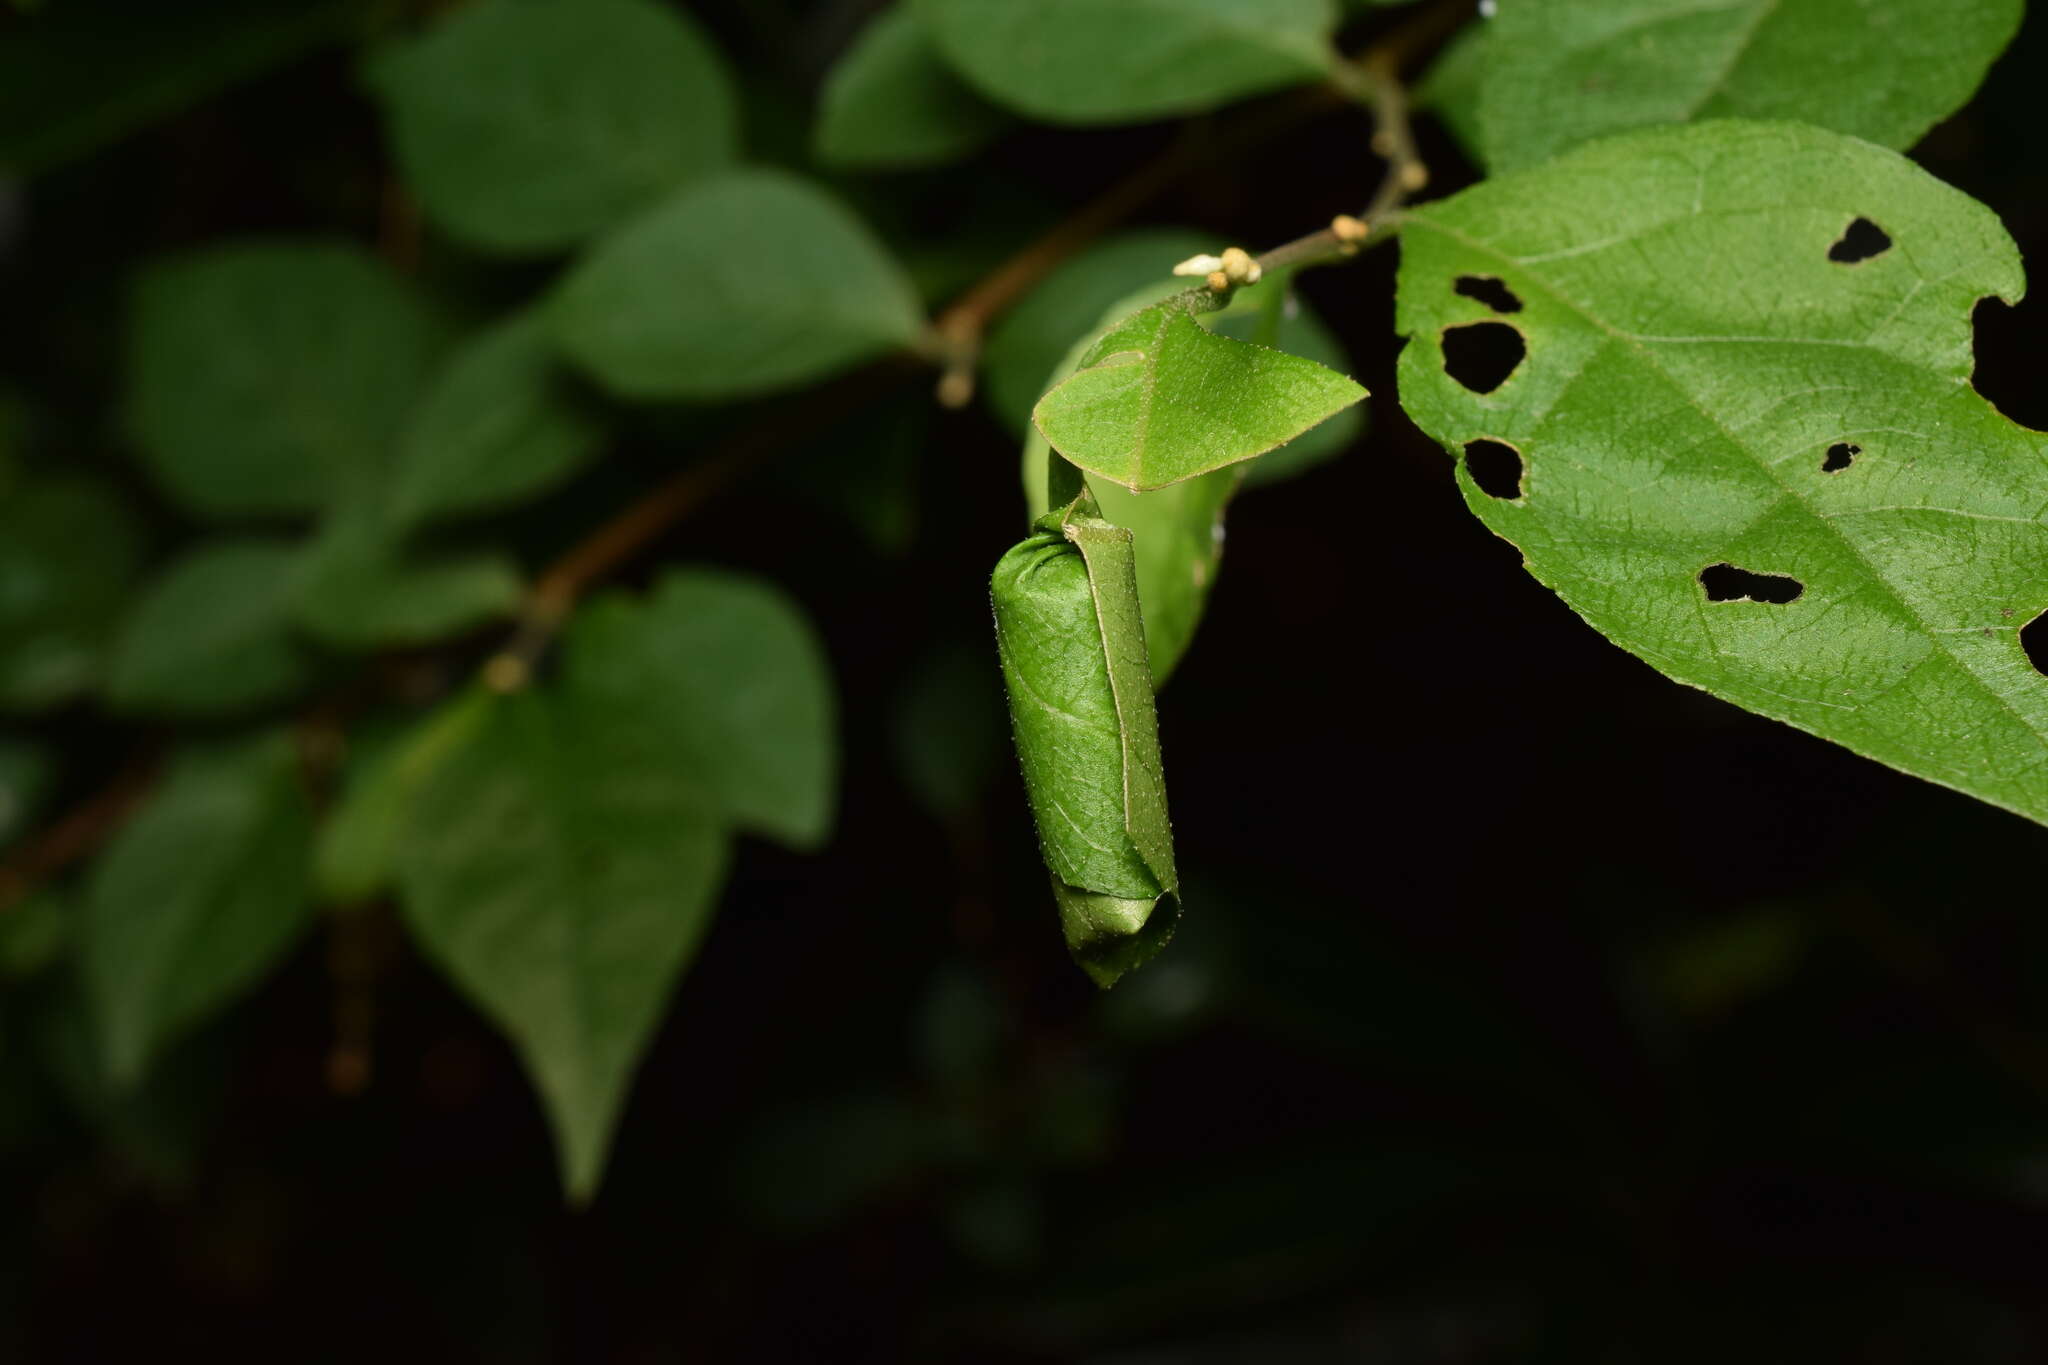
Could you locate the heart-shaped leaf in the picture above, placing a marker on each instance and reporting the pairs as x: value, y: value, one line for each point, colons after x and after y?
x: 1742, y: 442
x: 1160, y: 399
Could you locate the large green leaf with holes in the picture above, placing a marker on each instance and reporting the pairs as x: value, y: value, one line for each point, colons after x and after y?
x: 1558, y: 72
x: 1751, y: 461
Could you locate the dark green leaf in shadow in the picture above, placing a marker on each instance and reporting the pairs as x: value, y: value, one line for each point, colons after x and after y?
x: 890, y: 102
x: 721, y: 678
x: 498, y: 424
x: 26, y: 771
x: 527, y: 125
x: 196, y: 898
x: 354, y: 857
x: 745, y: 284
x: 357, y: 588
x: 158, y: 1123
x: 1121, y: 61
x: 75, y: 77
x: 270, y: 378
x: 69, y: 548
x: 1557, y: 73
x: 563, y: 882
x: 212, y: 634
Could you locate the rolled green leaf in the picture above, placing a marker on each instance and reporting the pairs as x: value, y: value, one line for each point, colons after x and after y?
x: 1073, y: 654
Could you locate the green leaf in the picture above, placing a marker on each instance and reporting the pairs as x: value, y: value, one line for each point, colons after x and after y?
x: 1559, y: 72
x: 1177, y: 539
x: 497, y: 424
x: 354, y: 860
x: 68, y: 550
x: 212, y: 634
x: 891, y: 103
x: 1028, y: 345
x: 1073, y: 657
x: 25, y: 778
x: 1178, y: 531
x: 752, y: 282
x: 356, y: 588
x: 1708, y: 393
x: 1268, y: 314
x: 563, y: 884
x: 1158, y: 399
x: 270, y: 378
x: 157, y: 1122
x: 527, y: 125
x: 721, y: 678
x: 196, y: 898
x: 35, y: 934
x: 1452, y: 87
x: 1118, y: 61
x: 75, y: 77
x: 1034, y: 349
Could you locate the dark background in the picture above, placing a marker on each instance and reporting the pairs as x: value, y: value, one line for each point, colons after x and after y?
x: 1528, y: 1006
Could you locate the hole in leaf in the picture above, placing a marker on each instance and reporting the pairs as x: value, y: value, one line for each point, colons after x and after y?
x: 1840, y: 455
x: 1490, y: 291
x: 2008, y: 369
x: 1481, y: 355
x: 1496, y: 467
x: 1860, y: 242
x: 2034, y: 640
x: 1726, y: 583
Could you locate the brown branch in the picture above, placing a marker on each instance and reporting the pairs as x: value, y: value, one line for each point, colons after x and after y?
x: 1374, y: 79
x: 78, y: 834
x: 958, y: 331
x: 563, y: 583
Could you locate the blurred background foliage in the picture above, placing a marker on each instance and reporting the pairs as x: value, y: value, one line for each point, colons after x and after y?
x: 1527, y: 1006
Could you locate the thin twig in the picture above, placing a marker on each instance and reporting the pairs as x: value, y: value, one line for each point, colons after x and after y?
x: 1375, y: 81
x: 957, y: 333
x: 78, y: 834
x: 562, y: 584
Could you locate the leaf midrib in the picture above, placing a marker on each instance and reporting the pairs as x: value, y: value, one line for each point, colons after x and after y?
x: 1637, y: 344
